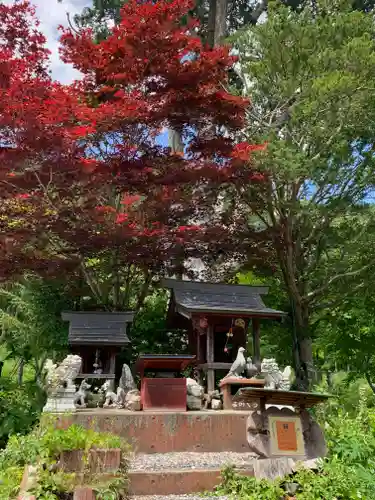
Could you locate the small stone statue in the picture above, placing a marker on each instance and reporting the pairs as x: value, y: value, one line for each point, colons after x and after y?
x: 238, y: 366
x: 110, y: 396
x: 213, y: 401
x: 80, y: 397
x: 274, y: 377
x: 251, y: 370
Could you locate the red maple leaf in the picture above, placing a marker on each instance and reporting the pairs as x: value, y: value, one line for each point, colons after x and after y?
x: 80, y: 151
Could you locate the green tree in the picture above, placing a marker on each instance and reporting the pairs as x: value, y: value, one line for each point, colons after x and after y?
x: 346, y: 336
x: 31, y: 324
x: 311, y: 79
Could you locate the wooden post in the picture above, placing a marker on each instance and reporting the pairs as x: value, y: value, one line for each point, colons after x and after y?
x: 112, y: 369
x: 210, y: 358
x: 256, y: 342
x: 227, y: 396
x: 198, y: 345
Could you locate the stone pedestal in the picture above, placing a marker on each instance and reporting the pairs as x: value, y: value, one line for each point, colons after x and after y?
x: 61, y: 401
x: 275, y: 433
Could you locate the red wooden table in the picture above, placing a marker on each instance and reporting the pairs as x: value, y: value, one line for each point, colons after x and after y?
x: 162, y: 393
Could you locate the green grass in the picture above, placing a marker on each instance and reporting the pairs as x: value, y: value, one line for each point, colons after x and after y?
x: 10, y: 368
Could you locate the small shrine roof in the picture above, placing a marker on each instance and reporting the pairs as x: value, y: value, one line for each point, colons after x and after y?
x: 98, y: 328
x: 215, y: 298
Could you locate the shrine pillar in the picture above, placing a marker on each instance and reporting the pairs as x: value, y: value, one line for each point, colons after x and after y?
x: 256, y: 341
x: 210, y: 358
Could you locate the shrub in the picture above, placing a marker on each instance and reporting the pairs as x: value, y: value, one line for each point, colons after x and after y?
x: 43, y: 447
x: 348, y: 472
x: 20, y: 408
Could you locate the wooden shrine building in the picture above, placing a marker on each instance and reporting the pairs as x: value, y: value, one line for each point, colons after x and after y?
x: 218, y: 318
x: 98, y: 337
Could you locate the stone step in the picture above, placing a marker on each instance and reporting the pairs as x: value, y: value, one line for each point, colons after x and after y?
x: 191, y: 460
x: 173, y: 481
x: 183, y: 473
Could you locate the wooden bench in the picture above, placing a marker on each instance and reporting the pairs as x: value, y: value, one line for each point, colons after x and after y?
x: 226, y: 385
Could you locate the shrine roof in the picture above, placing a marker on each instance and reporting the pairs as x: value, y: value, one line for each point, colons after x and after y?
x: 216, y: 298
x: 98, y: 328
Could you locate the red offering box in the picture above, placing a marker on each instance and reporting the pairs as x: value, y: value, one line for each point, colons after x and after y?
x: 167, y: 394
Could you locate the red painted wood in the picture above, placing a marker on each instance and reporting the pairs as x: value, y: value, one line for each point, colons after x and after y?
x: 155, y: 363
x: 163, y: 394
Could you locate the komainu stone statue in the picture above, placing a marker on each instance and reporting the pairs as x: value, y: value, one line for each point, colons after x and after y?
x: 59, y: 383
x: 274, y: 377
x: 81, y: 394
x: 126, y: 384
x: 110, y: 396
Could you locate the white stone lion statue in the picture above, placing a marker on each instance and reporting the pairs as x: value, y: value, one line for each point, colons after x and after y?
x: 59, y: 384
x: 110, y: 396
x: 62, y: 376
x: 274, y: 377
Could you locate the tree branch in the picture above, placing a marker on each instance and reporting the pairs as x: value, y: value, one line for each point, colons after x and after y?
x: 310, y: 296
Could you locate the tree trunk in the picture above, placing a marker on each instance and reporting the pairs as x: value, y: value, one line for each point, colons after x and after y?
x: 305, y: 372
x: 217, y: 21
x: 20, y: 372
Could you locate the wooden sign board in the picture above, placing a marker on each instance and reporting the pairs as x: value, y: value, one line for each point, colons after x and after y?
x: 286, y: 437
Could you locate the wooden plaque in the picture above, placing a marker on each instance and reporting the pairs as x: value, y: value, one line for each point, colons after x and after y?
x: 286, y: 436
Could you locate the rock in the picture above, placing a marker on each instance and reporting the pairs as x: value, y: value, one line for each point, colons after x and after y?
x: 193, y: 403
x: 195, y: 395
x: 216, y: 404
x: 259, y: 444
x: 133, y: 400
x: 307, y: 464
x: 194, y: 389
x: 272, y: 468
x: 126, y: 381
x: 315, y: 444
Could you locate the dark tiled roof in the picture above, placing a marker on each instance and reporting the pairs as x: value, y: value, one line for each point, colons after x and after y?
x: 97, y: 328
x: 203, y: 297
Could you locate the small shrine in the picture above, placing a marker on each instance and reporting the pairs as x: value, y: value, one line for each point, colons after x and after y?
x: 97, y: 337
x: 218, y: 317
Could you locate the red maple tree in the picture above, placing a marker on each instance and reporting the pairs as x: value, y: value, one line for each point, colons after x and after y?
x: 85, y: 187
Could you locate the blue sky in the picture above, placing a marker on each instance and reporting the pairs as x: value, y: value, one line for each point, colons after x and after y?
x: 51, y: 14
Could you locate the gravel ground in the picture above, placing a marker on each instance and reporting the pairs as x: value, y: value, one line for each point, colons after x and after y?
x: 190, y: 460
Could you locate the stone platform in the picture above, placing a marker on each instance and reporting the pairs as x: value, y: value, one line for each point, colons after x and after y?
x: 164, y: 432
x: 184, y: 452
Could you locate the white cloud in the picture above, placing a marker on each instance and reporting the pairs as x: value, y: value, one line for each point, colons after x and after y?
x: 51, y: 14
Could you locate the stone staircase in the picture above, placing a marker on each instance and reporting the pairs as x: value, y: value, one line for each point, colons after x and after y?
x: 176, y: 453
x: 183, y: 473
